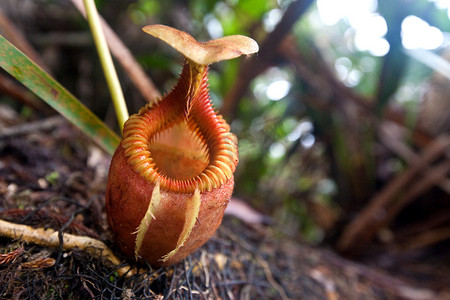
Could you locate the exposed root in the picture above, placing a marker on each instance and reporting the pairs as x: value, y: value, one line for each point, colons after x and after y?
x: 51, y: 238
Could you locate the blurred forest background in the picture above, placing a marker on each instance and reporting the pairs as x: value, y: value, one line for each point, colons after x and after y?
x: 343, y: 117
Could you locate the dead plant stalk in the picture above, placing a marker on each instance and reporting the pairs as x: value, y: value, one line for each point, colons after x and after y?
x: 50, y: 238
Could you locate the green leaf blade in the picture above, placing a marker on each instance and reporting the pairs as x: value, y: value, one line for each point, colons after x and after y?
x: 54, y: 94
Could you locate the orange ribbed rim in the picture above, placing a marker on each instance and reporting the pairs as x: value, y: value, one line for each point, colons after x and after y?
x: 204, y: 124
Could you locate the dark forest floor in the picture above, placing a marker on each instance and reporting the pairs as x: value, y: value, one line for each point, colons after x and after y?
x: 52, y: 177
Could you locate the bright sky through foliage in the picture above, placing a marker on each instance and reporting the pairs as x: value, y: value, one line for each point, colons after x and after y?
x: 278, y: 89
x: 413, y: 28
x: 370, y: 27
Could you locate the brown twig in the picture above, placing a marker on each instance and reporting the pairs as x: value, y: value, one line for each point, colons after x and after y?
x: 49, y: 219
x: 431, y: 177
x: 136, y: 73
x: 11, y: 88
x: 49, y: 238
x: 396, y: 286
x: 8, y: 86
x: 30, y: 127
x: 403, y: 150
x: 16, y: 37
x: 427, y: 238
x: 11, y: 256
x: 432, y: 221
x: 375, y: 214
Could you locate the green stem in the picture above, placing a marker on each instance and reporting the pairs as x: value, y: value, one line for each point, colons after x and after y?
x: 107, y: 64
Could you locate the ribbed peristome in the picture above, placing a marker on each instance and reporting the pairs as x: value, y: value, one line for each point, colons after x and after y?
x: 186, y: 110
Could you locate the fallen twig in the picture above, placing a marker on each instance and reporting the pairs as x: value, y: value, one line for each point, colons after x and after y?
x: 49, y: 238
x: 427, y: 238
x: 396, y: 286
x: 395, y: 144
x: 10, y: 87
x: 18, y: 39
x: 36, y: 126
x: 376, y: 213
x: 429, y: 178
x: 10, y: 257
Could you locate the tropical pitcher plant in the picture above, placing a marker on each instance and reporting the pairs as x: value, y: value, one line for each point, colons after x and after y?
x: 171, y: 177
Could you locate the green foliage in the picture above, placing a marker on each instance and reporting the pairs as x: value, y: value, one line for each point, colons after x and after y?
x: 142, y: 9
x: 254, y: 9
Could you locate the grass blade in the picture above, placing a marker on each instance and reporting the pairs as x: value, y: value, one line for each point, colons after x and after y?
x: 54, y: 94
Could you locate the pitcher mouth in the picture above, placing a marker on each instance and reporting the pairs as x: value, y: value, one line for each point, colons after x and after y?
x: 182, y: 144
x: 179, y: 153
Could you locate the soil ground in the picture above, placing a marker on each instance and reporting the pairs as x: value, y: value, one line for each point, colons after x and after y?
x: 51, y: 176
